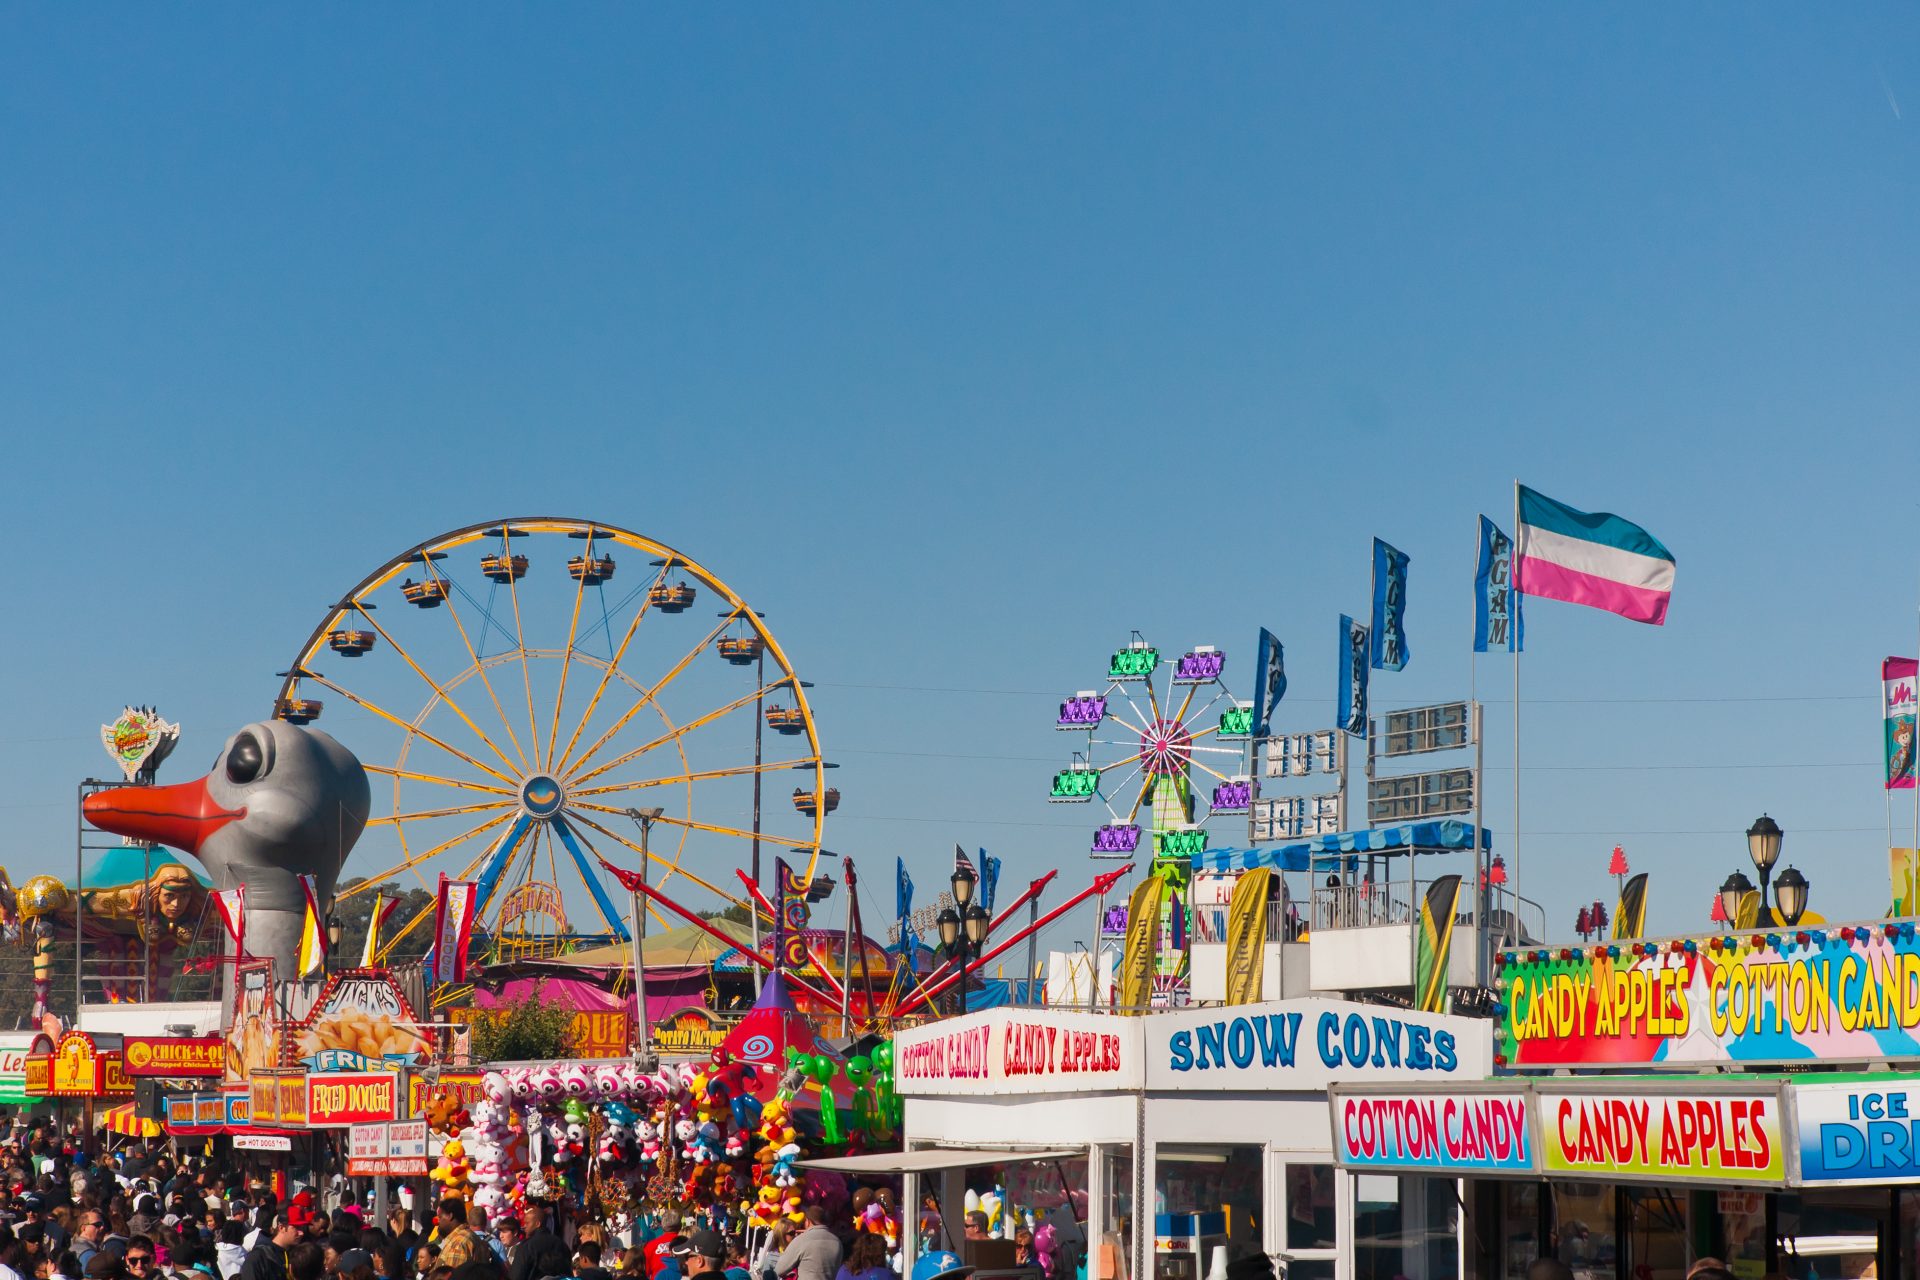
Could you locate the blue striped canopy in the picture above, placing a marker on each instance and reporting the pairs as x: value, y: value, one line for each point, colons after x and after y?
x: 1447, y: 835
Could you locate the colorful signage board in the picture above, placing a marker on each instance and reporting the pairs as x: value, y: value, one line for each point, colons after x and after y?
x: 397, y: 1149
x: 1310, y: 1044
x: 460, y: 1087
x: 77, y: 1067
x: 175, y: 1056
x: 1467, y: 1132
x: 340, y: 1098
x: 1018, y: 1051
x: 362, y: 1019
x: 691, y: 1030
x: 1650, y: 1134
x: 262, y: 1142
x: 1858, y: 1133
x: 1745, y: 999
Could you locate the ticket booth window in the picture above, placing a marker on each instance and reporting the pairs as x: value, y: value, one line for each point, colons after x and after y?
x: 1833, y: 1234
x: 1228, y: 1181
x: 1309, y: 1221
x: 1405, y: 1228
x: 1584, y: 1232
x: 1656, y: 1232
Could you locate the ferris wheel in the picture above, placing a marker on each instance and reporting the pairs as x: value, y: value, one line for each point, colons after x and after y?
x: 1145, y: 739
x: 533, y: 695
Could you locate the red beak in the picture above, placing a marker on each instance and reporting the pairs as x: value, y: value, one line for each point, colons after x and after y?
x: 182, y: 815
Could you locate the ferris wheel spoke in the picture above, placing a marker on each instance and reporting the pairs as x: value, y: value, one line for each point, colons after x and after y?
x: 613, y: 665
x: 1140, y: 797
x: 704, y: 775
x: 1180, y: 716
x: 405, y: 727
x: 566, y: 658
x: 436, y: 686
x: 386, y: 771
x: 506, y: 721
x: 766, y: 837
x: 673, y: 868
x: 646, y: 903
x: 574, y: 764
x: 1209, y: 771
x: 412, y: 863
x: 678, y: 732
x: 452, y: 811
x: 520, y: 637
x: 1121, y: 720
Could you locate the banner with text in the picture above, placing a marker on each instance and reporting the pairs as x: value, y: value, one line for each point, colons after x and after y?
x: 1432, y: 1131
x: 1018, y: 1051
x: 1705, y: 1136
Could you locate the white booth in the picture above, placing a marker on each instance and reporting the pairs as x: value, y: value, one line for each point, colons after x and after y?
x: 1124, y: 1122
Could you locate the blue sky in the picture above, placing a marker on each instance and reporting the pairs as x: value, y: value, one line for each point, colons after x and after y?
x: 963, y: 343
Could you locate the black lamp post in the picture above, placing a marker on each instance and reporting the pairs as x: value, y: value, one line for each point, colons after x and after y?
x: 1764, y: 838
x: 1790, y: 891
x: 1737, y: 886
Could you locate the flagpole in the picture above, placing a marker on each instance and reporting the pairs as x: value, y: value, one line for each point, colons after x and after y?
x: 1512, y: 587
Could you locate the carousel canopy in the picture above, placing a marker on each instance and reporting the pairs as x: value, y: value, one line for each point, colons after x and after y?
x: 125, y: 864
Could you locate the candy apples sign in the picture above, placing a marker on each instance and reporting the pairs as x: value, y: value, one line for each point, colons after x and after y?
x: 1019, y: 1051
x: 1722, y: 1136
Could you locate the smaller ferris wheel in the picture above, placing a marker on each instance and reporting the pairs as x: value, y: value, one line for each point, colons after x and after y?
x: 1148, y: 731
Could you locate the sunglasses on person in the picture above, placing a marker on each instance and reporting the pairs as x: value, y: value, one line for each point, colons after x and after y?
x: 139, y: 1261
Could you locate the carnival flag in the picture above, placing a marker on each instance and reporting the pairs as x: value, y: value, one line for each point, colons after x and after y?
x: 1247, y: 935
x: 312, y: 956
x: 452, y: 929
x: 383, y: 908
x: 1390, y: 651
x: 961, y: 862
x: 1350, y: 703
x: 1143, y: 936
x: 790, y: 948
x: 1630, y: 915
x: 1898, y: 677
x: 989, y: 880
x: 1432, y: 945
x: 1497, y: 620
x: 233, y: 913
x: 1592, y: 558
x: 1273, y: 683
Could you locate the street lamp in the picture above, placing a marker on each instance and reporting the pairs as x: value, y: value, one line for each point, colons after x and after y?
x: 1732, y: 893
x: 1764, y: 838
x: 1790, y: 890
x: 963, y: 882
x: 642, y: 1032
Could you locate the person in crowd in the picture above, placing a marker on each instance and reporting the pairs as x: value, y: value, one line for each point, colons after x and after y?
x: 228, y: 1252
x: 93, y: 1234
x: 477, y: 1223
x: 140, y: 1259
x: 815, y: 1253
x: 586, y: 1262
x: 67, y: 1266
x: 456, y: 1238
x: 867, y: 1259
x: 541, y: 1253
x: 271, y: 1259
x: 660, y: 1247
x: 306, y: 1261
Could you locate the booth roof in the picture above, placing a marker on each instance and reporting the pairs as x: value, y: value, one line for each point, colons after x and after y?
x: 1322, y: 853
x: 933, y: 1159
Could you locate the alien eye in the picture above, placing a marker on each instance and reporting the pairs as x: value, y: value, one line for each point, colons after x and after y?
x: 245, y: 760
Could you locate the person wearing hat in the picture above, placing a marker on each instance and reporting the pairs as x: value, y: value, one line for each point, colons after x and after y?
x: 815, y: 1253
x: 707, y: 1256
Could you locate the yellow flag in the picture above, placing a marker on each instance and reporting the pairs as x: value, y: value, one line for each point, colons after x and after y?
x: 1247, y: 935
x: 1143, y: 938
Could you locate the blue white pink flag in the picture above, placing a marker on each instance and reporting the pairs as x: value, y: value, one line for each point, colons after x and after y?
x: 1897, y: 684
x: 1350, y: 701
x: 1592, y: 558
x: 1497, y: 620
x: 1389, y: 607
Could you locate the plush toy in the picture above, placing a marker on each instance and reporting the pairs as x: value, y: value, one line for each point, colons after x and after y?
x: 452, y: 1172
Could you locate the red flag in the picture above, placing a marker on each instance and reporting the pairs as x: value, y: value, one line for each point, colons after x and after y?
x: 232, y: 904
x: 452, y: 929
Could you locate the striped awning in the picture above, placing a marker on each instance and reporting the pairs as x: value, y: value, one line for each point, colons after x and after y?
x: 123, y: 1121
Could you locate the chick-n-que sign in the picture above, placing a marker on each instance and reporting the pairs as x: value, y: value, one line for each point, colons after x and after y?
x: 1019, y: 1051
x: 346, y: 1098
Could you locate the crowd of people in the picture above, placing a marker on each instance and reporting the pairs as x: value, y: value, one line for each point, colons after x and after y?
x: 143, y: 1214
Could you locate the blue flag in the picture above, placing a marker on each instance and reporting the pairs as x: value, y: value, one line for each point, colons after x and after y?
x: 1350, y: 702
x: 989, y: 878
x: 902, y: 889
x: 1389, y: 607
x: 1497, y: 622
x: 1273, y: 682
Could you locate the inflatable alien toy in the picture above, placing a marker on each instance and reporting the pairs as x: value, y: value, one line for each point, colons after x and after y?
x: 280, y: 802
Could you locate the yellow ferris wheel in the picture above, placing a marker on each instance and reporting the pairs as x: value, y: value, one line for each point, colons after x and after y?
x: 531, y: 696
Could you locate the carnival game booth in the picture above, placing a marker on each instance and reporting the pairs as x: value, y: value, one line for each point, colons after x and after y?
x: 1779, y: 1129
x: 1171, y: 1132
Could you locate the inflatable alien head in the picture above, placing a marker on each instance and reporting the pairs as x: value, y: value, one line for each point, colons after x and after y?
x: 280, y: 802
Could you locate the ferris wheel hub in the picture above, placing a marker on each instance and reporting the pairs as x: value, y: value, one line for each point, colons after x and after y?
x: 542, y: 797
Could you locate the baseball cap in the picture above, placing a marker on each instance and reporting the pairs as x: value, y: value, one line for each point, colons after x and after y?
x: 708, y: 1244
x: 352, y: 1258
x: 33, y: 1202
x: 680, y: 1247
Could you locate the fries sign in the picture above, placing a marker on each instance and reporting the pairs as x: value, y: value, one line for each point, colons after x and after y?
x: 361, y: 1021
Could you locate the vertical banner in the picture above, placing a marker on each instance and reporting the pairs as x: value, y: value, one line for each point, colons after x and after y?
x: 452, y: 929
x: 1272, y: 684
x: 1497, y: 620
x: 313, y: 938
x: 383, y: 908
x: 1143, y: 933
x: 989, y: 880
x: 1247, y: 935
x: 791, y: 943
x: 1350, y: 702
x: 1630, y: 915
x: 1432, y: 944
x: 903, y: 905
x: 1389, y: 607
x: 1897, y: 682
x: 233, y: 913
x: 1904, y: 870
